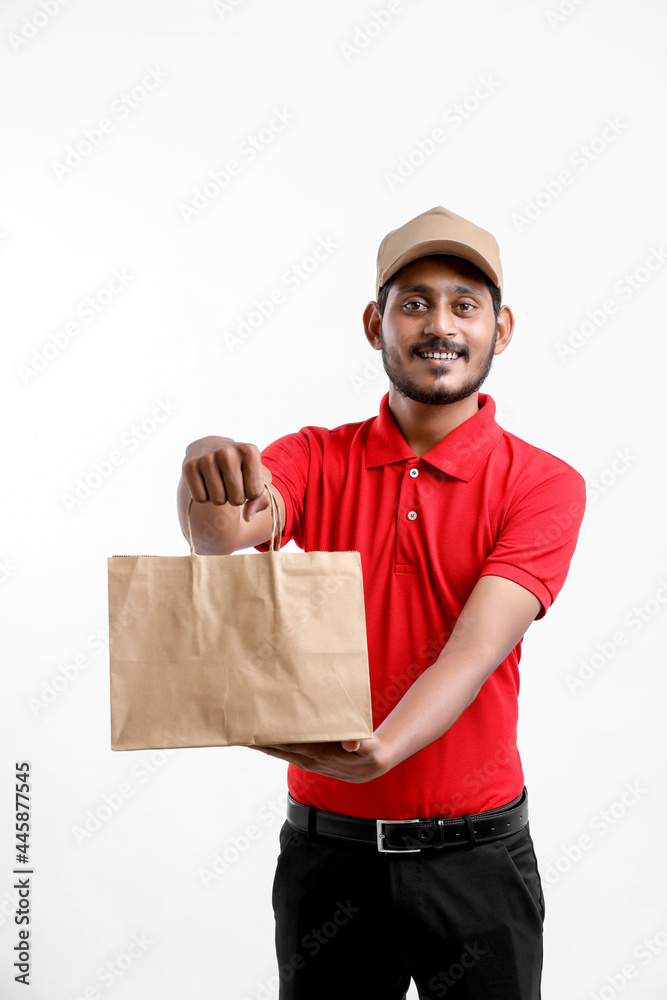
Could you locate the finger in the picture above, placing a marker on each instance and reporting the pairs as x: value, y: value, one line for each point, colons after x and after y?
x: 195, y: 482
x: 351, y: 745
x: 255, y: 477
x: 254, y: 506
x: 214, y: 482
x: 254, y: 473
x: 302, y: 749
x: 225, y: 464
x: 243, y: 472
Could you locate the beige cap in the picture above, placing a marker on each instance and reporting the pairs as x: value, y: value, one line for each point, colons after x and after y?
x: 438, y: 231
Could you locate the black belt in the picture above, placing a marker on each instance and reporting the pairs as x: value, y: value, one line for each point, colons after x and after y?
x: 399, y: 835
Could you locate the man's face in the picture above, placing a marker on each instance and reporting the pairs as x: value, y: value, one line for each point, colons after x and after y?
x: 438, y: 305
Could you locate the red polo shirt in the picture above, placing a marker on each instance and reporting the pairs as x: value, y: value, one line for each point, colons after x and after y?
x: 482, y: 501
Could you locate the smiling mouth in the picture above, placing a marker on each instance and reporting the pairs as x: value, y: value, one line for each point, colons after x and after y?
x: 439, y: 355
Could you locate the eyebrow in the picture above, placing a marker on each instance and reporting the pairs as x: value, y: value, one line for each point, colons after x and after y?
x: 426, y: 289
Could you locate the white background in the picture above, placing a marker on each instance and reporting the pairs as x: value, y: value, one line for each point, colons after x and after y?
x: 537, y: 90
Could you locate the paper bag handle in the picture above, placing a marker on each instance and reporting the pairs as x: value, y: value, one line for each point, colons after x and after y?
x: 276, y: 527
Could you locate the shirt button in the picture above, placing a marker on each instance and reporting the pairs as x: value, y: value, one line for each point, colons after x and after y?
x: 412, y: 514
x: 414, y: 473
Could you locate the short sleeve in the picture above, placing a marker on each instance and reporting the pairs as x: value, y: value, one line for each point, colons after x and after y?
x: 288, y: 460
x: 539, y: 536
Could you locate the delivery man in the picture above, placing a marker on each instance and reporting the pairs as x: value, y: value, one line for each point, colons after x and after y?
x: 408, y: 855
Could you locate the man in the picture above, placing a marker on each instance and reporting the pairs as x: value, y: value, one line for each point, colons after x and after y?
x: 466, y: 534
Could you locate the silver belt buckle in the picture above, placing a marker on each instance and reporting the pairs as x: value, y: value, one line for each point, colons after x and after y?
x: 381, y: 836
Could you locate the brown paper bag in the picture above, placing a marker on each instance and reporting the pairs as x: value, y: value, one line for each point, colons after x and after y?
x: 249, y: 648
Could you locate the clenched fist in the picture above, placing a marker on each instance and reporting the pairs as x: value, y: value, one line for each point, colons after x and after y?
x: 220, y: 470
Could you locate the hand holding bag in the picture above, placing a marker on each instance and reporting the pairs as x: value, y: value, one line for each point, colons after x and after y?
x: 244, y: 649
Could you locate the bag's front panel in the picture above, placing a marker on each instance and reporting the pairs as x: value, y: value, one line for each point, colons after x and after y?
x: 223, y: 650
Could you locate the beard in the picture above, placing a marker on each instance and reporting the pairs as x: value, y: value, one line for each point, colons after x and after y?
x: 438, y: 393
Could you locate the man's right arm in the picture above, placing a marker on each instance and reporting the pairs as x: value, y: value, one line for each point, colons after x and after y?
x: 231, y: 508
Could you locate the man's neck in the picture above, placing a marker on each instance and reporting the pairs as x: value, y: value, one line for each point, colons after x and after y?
x: 424, y: 425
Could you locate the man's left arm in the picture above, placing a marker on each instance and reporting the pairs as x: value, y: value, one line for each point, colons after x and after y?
x: 495, y: 617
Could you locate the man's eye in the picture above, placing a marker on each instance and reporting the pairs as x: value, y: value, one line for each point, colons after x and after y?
x: 467, y: 306
x: 417, y: 306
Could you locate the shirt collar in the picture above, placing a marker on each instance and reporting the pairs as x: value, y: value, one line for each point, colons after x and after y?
x: 458, y: 454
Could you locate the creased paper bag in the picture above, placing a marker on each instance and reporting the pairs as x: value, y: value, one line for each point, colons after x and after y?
x: 249, y: 648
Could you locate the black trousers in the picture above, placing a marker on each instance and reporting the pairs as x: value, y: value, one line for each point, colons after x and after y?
x: 351, y: 923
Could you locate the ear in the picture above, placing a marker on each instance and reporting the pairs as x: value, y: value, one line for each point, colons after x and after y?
x: 372, y: 322
x: 505, y: 329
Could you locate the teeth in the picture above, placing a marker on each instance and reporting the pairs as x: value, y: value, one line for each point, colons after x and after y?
x: 438, y: 355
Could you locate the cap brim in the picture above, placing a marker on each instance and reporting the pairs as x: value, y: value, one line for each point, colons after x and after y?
x: 439, y: 246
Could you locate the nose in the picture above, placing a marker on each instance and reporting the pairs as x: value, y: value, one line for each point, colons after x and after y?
x: 440, y: 322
